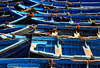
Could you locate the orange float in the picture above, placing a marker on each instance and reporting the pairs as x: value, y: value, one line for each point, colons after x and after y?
x: 28, y: 14
x: 48, y: 33
x: 77, y: 26
x: 52, y: 15
x: 7, y: 23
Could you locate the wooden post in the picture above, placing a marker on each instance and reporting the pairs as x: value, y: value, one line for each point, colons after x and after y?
x: 87, y: 50
x: 58, y: 50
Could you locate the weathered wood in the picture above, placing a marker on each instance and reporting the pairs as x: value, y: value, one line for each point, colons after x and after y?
x: 87, y: 50
x: 58, y: 50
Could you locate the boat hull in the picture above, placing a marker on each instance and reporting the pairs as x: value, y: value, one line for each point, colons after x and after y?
x: 15, y: 50
x: 47, y: 62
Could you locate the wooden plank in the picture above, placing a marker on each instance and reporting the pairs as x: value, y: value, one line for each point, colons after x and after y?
x: 87, y: 51
x: 76, y: 35
x: 33, y: 45
x: 58, y: 50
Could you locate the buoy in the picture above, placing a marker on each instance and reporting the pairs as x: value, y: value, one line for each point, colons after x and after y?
x: 7, y: 23
x: 52, y: 15
x: 77, y: 26
x: 28, y: 14
x: 48, y: 33
x: 31, y: 15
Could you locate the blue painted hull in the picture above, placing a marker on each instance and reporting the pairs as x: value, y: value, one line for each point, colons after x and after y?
x: 17, y: 50
x: 14, y: 18
x: 69, y: 46
x: 9, y: 30
x: 21, y: 19
x: 31, y: 2
x: 10, y: 3
x: 81, y: 17
x: 69, y: 30
x: 44, y: 21
x: 5, y: 19
x: 45, y: 63
x: 63, y: 10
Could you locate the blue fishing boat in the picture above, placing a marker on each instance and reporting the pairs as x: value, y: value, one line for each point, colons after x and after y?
x: 64, y: 30
x: 70, y: 30
x: 11, y: 47
x: 81, y: 17
x: 24, y: 31
x: 7, y: 28
x: 48, y: 62
x: 9, y: 17
x: 84, y: 17
x: 46, y: 9
x: 9, y: 3
x: 60, y: 4
x: 6, y: 9
x: 65, y: 45
x: 51, y: 19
